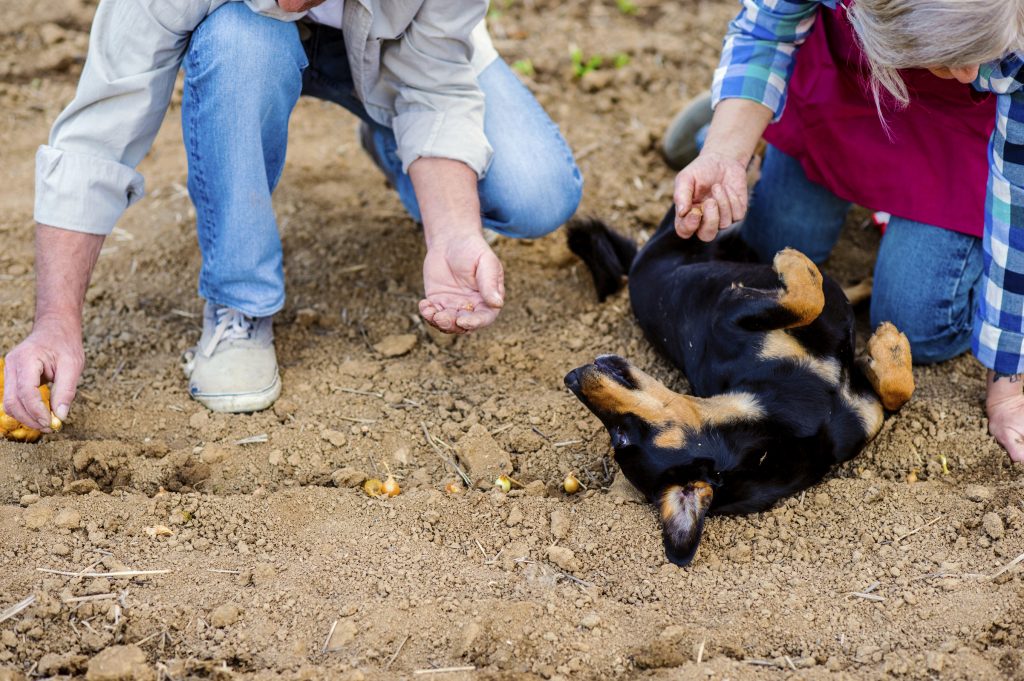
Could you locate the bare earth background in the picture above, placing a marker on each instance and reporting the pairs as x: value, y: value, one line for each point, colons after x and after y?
x: 427, y: 580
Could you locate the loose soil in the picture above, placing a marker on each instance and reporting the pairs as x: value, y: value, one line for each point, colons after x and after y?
x: 271, y: 545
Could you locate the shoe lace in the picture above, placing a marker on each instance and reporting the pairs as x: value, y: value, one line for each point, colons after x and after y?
x: 231, y: 325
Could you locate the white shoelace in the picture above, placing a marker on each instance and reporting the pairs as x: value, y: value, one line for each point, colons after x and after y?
x: 231, y: 325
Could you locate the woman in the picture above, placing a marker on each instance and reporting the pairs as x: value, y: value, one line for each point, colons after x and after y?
x: 913, y: 107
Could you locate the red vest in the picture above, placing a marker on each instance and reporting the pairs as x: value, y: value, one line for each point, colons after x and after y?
x: 931, y: 165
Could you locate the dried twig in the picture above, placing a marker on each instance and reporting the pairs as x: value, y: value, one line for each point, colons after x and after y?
x: 566, y: 575
x: 225, y: 572
x: 444, y: 670
x: 925, y: 526
x: 1008, y: 566
x: 502, y: 429
x: 86, y: 599
x: 447, y: 459
x: 327, y: 641
x: 16, y: 608
x: 700, y: 651
x: 867, y: 597
x: 395, y: 656
x: 566, y: 443
x: 253, y: 440
x: 537, y: 430
x: 119, y: 573
x: 353, y: 419
x: 353, y: 391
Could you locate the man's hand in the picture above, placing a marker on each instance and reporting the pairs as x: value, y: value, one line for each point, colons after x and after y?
x: 1004, y: 404
x: 462, y: 278
x: 51, y: 353
x: 464, y: 284
x: 53, y: 350
x: 710, y: 195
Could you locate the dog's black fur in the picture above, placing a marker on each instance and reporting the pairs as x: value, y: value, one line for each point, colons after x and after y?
x: 787, y: 399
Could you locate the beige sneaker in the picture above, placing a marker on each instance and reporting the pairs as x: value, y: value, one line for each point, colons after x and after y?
x: 234, y: 367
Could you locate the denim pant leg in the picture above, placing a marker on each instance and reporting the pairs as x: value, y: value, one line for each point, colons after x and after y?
x: 788, y: 210
x: 243, y: 74
x: 533, y: 185
x: 927, y: 280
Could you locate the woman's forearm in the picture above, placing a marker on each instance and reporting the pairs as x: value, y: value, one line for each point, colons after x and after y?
x: 736, y: 129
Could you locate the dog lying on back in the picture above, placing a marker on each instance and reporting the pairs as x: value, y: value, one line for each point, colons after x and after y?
x: 768, y: 350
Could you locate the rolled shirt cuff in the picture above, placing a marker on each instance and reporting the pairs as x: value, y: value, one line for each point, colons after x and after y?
x: 998, y: 349
x: 83, y: 193
x: 431, y: 134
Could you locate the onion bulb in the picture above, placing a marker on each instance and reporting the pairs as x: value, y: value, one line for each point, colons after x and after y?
x: 373, y: 487
x: 390, y: 487
x: 504, y: 483
x: 571, y: 484
x: 453, y: 488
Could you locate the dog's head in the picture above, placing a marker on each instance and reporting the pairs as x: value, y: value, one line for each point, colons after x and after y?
x: 672, y: 447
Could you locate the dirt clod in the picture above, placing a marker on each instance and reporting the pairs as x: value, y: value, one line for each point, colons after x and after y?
x: 224, y: 615
x: 482, y: 456
x: 396, y: 346
x: 120, y: 663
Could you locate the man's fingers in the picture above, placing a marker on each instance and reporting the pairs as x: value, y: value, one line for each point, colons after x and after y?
x: 31, y: 402
x: 490, y: 281
x: 724, y: 207
x: 709, y: 224
x: 477, y: 319
x: 438, y: 317
x: 62, y: 394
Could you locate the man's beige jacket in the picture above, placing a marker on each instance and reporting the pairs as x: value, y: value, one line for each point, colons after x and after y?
x: 414, y: 63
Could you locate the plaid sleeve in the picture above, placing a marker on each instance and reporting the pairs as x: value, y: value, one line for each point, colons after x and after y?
x: 998, y: 341
x: 757, y: 55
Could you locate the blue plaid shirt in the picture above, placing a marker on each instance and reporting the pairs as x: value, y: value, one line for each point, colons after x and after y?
x: 757, y: 62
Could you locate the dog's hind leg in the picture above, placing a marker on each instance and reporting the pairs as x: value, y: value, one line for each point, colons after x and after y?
x: 796, y: 303
x: 888, y: 366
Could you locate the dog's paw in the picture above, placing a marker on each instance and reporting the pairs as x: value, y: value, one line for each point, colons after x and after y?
x: 802, y: 294
x: 890, y: 366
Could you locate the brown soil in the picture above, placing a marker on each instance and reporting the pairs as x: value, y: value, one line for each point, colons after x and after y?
x: 267, y: 555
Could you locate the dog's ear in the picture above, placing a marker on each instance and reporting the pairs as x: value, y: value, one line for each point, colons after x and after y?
x: 683, y: 508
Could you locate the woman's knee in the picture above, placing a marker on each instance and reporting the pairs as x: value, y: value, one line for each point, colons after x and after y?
x: 926, y: 283
x: 236, y: 44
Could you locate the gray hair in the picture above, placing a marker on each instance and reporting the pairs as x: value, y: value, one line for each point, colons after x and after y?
x: 902, y: 34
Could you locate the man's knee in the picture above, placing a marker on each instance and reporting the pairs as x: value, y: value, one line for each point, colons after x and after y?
x: 539, y: 203
x: 249, y: 48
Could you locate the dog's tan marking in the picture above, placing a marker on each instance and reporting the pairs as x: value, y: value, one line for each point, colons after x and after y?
x: 780, y: 345
x: 672, y: 501
x: 671, y: 412
x: 868, y: 410
x: 858, y: 293
x: 802, y: 293
x: 889, y: 366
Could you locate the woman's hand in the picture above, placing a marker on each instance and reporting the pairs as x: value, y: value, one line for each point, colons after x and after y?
x: 710, y: 195
x: 711, y: 192
x: 1004, y: 404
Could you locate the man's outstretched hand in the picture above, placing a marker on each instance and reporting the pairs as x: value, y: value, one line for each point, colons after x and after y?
x: 464, y: 284
x: 1004, y: 404
x: 52, y: 352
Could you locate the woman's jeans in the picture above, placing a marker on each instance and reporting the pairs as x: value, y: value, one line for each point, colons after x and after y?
x: 926, y: 278
x: 244, y: 74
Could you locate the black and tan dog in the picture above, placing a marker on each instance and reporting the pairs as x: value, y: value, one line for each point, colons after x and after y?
x: 768, y: 350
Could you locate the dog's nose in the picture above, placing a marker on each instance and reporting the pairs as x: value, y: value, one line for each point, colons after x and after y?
x: 572, y: 380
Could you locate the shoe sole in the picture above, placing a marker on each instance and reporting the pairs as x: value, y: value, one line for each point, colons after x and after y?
x: 242, y: 403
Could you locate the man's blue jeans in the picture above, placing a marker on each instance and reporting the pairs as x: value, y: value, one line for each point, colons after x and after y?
x: 926, y: 278
x: 244, y: 74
